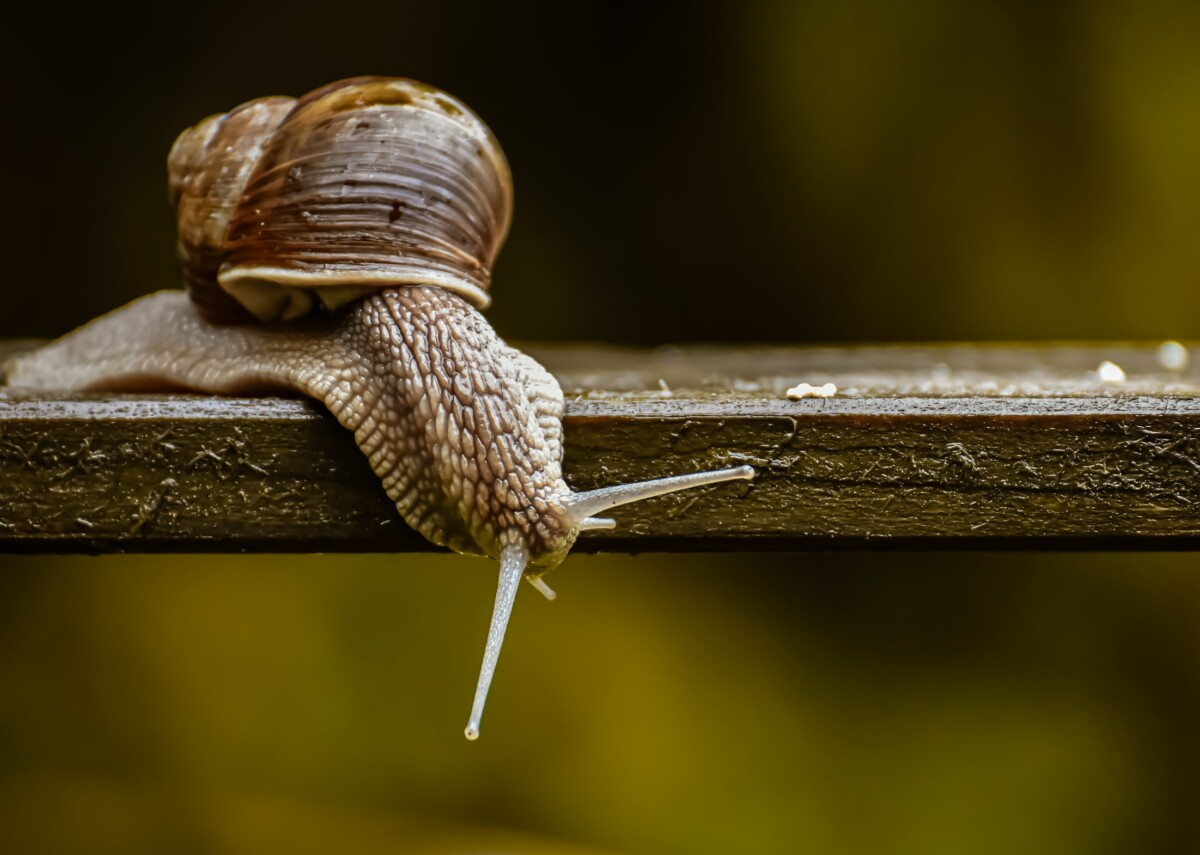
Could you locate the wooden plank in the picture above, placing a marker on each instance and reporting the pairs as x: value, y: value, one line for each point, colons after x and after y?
x: 923, y: 447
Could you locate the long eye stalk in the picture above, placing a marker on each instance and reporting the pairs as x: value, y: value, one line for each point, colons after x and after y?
x: 512, y: 566
x: 581, y: 506
x: 515, y: 557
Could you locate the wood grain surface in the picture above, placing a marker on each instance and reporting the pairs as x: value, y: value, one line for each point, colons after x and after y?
x: 949, y: 446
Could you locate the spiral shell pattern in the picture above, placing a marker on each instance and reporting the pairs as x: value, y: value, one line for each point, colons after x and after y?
x: 286, y: 206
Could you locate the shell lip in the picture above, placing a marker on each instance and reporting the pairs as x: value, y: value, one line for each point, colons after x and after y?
x: 274, y: 293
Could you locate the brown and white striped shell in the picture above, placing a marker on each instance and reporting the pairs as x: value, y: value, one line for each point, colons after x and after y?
x: 286, y: 205
x: 380, y: 189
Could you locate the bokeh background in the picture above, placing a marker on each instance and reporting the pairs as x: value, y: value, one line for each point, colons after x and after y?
x: 757, y: 171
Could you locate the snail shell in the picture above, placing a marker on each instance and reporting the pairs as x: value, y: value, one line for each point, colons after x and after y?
x: 286, y: 205
x: 387, y: 201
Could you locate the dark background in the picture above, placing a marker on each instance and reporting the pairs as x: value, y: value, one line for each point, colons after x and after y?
x: 758, y: 172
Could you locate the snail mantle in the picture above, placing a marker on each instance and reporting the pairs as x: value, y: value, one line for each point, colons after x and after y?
x: 957, y: 446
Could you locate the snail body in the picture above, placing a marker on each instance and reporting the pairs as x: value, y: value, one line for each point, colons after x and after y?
x: 341, y: 245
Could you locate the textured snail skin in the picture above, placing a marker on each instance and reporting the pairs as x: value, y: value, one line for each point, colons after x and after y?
x: 386, y: 200
x: 463, y: 430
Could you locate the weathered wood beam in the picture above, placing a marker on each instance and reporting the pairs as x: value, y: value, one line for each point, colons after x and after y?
x: 922, y: 447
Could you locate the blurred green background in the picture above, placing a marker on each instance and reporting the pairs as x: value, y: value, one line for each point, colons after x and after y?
x: 759, y: 171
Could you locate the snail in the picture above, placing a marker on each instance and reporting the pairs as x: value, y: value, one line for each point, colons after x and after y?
x: 341, y: 245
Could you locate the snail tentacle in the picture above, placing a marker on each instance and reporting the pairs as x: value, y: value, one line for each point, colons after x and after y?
x: 513, y: 560
x: 581, y: 506
x: 539, y: 585
x: 386, y: 200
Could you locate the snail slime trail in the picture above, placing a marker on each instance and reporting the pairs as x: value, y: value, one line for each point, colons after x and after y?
x: 373, y: 208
